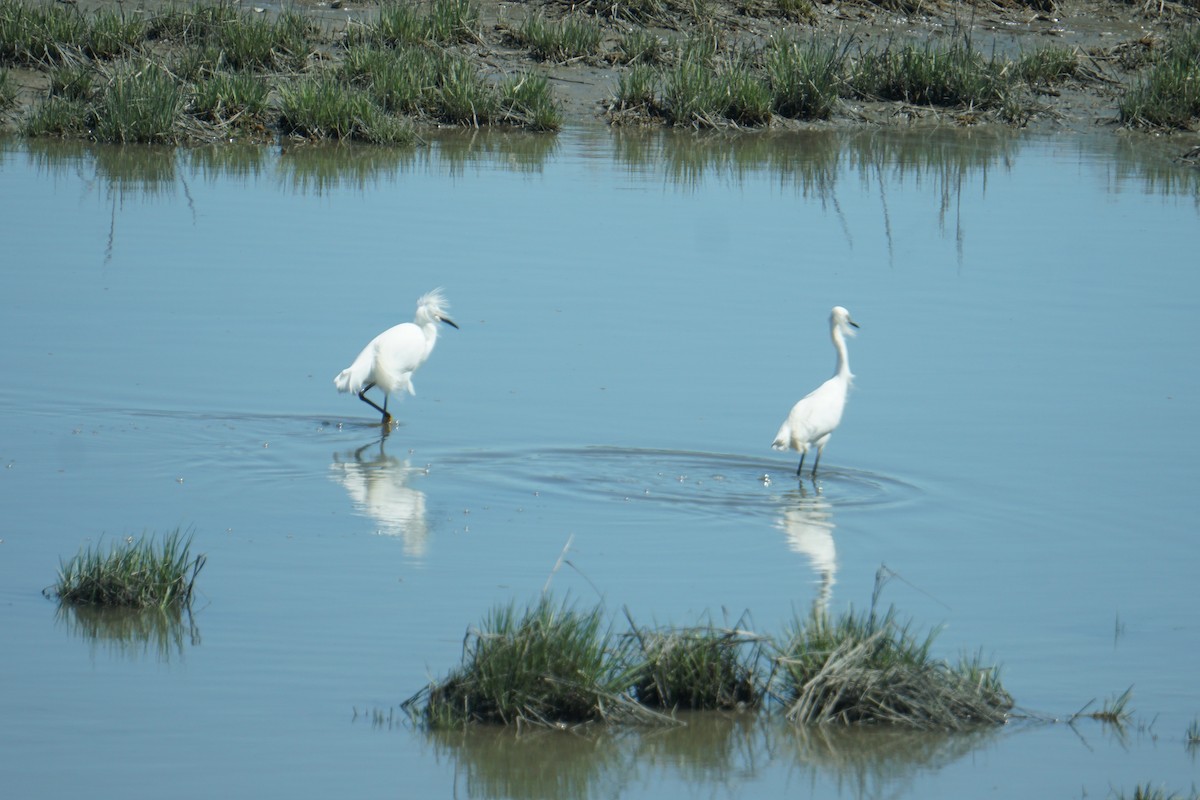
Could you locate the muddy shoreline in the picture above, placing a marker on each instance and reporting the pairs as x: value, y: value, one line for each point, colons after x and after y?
x: 1111, y: 37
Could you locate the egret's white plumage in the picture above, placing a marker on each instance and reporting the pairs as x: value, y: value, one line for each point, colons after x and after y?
x: 814, y: 418
x: 391, y: 358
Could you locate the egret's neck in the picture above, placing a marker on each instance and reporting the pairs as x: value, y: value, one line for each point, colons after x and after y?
x: 430, y: 330
x: 843, y: 359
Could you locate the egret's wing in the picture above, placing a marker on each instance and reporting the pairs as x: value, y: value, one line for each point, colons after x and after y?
x: 398, y: 351
x: 354, y: 377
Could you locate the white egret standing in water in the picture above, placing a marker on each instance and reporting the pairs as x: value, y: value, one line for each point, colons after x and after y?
x: 814, y: 418
x: 391, y: 358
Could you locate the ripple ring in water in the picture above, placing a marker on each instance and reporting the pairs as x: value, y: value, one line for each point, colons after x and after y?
x: 708, y: 483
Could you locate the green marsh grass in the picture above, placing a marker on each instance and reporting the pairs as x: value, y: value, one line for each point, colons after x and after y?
x: 227, y: 98
x: 1168, y: 95
x: 401, y: 80
x: 805, y: 79
x: 464, y: 96
x: 704, y: 667
x: 256, y: 41
x: 868, y: 667
x: 562, y: 40
x: 527, y: 100
x: 554, y: 665
x: 637, y: 87
x: 46, y: 34
x: 73, y: 82
x: 642, y: 47
x: 1047, y: 66
x: 142, y: 573
x: 136, y: 103
x: 550, y: 664
x: 446, y: 22
x: 931, y: 74
x: 1115, y: 710
x: 56, y: 117
x: 8, y: 89
x: 1192, y: 735
x: 796, y: 10
x: 747, y: 97
x: 110, y: 33
x: 322, y: 107
x: 637, y: 11
x: 1148, y: 791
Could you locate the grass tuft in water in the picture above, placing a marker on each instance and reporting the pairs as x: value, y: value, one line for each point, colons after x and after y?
x: 696, y: 668
x: 870, y: 668
x: 548, y: 665
x: 1192, y: 736
x: 142, y: 573
x: 1148, y: 791
x: 1115, y: 710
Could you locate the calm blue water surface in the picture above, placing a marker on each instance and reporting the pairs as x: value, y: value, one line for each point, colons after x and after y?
x: 637, y: 315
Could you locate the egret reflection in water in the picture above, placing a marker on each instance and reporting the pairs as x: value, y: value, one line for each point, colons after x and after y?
x: 807, y: 521
x: 378, y: 485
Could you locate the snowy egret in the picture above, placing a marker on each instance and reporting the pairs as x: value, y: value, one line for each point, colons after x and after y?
x: 814, y: 418
x: 391, y: 358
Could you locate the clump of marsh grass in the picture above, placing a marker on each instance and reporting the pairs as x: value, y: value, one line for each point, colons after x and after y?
x: 548, y: 665
x: 447, y: 22
x: 111, y: 33
x: 1147, y: 791
x: 1192, y: 735
x: 561, y: 40
x: 238, y: 39
x: 527, y: 100
x: 703, y: 667
x: 805, y: 79
x: 73, y: 82
x: 1046, y: 66
x: 637, y: 11
x: 1115, y: 710
x: 870, y: 668
x: 228, y: 98
x: 142, y: 573
x: 43, y: 34
x: 642, y: 47
x: 56, y: 116
x: 139, y: 103
x: 322, y: 107
x: 936, y: 75
x: 637, y: 87
x: 1168, y: 96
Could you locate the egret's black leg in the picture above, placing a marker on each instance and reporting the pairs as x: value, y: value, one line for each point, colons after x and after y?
x: 363, y: 396
x: 818, y: 461
x: 800, y: 468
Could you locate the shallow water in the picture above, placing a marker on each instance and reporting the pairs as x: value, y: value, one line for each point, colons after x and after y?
x: 637, y: 313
